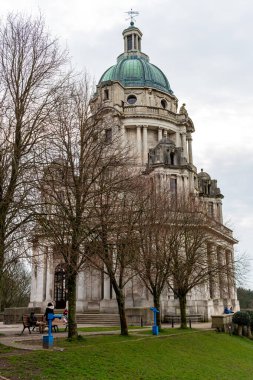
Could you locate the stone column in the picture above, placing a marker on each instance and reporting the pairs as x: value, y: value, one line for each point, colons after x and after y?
x: 122, y: 136
x: 185, y: 146
x: 230, y: 274
x: 145, y: 144
x: 178, y: 142
x: 214, y: 277
x: 80, y: 294
x: 222, y: 272
x: 210, y: 263
x: 39, y: 277
x: 160, y: 134
x: 50, y: 276
x: 106, y: 287
x: 220, y: 216
x: 189, y: 140
x: 45, y: 259
x: 138, y: 144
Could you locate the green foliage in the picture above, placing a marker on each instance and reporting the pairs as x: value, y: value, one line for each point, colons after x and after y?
x: 251, y: 319
x: 185, y: 355
x: 245, y: 297
x: 241, y: 318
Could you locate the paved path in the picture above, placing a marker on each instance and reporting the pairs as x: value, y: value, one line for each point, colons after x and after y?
x: 10, y: 335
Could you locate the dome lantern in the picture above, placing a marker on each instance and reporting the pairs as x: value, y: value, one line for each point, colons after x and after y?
x: 132, y: 39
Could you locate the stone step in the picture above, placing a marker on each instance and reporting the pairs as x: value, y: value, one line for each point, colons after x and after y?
x: 98, y: 319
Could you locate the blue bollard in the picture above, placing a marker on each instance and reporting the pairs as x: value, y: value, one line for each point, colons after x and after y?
x: 48, y: 340
x: 155, y: 330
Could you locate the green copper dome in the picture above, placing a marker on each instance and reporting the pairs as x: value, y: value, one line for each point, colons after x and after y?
x: 133, y: 68
x: 136, y: 71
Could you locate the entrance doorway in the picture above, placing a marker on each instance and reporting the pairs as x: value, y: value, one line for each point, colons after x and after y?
x: 60, y: 291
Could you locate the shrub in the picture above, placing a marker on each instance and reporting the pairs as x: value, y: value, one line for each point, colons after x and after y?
x: 241, y: 318
x: 251, y: 318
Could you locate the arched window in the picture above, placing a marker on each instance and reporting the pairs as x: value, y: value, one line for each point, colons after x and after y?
x: 60, y: 289
x: 172, y: 158
x: 164, y: 103
x: 210, y: 209
x: 106, y: 94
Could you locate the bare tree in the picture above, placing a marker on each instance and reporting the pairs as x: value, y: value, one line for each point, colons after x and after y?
x: 16, y: 285
x: 191, y: 262
x: 156, y: 240
x: 115, y: 241
x: 77, y: 157
x: 29, y: 76
x: 174, y: 237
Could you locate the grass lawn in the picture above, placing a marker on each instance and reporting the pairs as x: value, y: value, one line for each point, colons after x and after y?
x: 109, y: 328
x: 174, y: 354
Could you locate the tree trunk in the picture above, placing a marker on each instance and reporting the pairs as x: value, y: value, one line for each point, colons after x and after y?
x: 1, y: 291
x: 2, y: 244
x: 182, y: 302
x: 122, y: 312
x: 72, y: 325
x: 156, y: 300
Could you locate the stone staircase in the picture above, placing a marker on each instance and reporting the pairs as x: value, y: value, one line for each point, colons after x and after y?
x: 98, y: 319
x: 95, y: 318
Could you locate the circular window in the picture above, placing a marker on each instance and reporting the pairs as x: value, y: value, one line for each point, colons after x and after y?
x: 131, y: 99
x: 163, y: 103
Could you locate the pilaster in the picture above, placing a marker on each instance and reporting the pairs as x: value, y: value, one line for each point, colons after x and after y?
x: 145, y: 144
x: 189, y: 140
x: 160, y: 134
x: 138, y: 144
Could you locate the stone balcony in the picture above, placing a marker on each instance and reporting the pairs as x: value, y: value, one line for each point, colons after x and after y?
x: 146, y: 111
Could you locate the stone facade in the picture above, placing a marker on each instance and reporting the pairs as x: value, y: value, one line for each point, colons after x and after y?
x: 138, y: 103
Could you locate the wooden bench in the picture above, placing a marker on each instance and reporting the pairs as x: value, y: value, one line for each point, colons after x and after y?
x: 59, y: 323
x: 177, y: 319
x: 42, y: 323
x: 26, y: 323
x: 56, y: 324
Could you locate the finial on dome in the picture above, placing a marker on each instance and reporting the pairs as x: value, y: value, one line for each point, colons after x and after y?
x: 132, y: 35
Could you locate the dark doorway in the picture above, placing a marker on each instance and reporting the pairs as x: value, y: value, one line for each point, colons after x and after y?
x: 60, y: 293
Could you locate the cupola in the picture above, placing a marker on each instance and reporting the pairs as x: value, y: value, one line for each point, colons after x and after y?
x: 133, y: 68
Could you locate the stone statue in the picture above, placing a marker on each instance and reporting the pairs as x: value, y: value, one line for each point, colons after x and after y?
x: 183, y: 110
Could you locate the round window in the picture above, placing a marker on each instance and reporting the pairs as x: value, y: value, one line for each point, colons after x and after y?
x: 131, y: 99
x: 163, y: 103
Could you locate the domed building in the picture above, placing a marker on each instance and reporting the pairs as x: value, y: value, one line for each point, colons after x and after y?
x: 137, y: 100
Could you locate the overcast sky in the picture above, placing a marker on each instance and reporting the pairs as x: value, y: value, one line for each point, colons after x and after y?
x: 205, y: 49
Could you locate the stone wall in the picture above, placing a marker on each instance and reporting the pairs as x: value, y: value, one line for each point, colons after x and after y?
x: 139, y: 316
x: 13, y: 315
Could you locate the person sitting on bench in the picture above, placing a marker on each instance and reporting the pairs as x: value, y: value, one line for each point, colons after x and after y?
x: 33, y: 321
